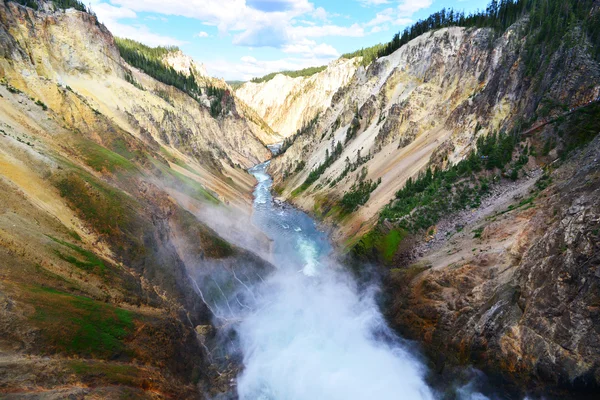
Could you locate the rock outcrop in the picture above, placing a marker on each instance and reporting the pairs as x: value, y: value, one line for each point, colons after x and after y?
x: 110, y: 184
x: 446, y: 87
x: 509, y: 284
x: 287, y: 104
x: 520, y: 298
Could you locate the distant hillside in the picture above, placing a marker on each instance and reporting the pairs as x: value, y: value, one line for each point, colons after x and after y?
x: 292, y: 74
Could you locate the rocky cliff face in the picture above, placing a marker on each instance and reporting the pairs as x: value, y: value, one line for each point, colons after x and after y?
x: 287, y: 104
x: 432, y: 97
x: 46, y: 51
x: 185, y: 64
x: 508, y: 284
x: 515, y: 291
x: 107, y: 189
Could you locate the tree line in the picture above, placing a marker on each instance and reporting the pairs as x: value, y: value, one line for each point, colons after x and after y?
x: 293, y: 74
x: 549, y: 21
x: 150, y: 60
x: 58, y: 4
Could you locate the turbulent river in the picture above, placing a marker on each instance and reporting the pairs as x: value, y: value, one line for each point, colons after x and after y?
x: 314, y: 336
x: 306, y: 331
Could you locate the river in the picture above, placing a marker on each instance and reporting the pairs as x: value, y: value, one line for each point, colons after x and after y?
x: 312, y: 334
x: 305, y: 330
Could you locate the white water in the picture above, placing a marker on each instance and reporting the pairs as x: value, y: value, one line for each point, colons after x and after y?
x: 306, y: 332
x: 312, y: 335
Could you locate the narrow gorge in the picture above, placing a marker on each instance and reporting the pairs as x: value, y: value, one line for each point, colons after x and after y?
x: 415, y: 220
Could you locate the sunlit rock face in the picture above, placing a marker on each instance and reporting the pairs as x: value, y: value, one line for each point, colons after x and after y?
x: 435, y: 95
x: 520, y: 302
x: 287, y: 104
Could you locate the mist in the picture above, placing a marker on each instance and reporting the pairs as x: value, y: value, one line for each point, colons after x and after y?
x: 304, y: 329
x: 311, y: 333
x: 317, y: 338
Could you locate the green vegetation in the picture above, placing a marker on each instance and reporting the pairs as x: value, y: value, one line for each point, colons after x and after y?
x: 423, y: 201
x: 359, y: 193
x: 353, y: 128
x: 91, y: 263
x: 579, y: 129
x: 435, y: 194
x: 102, y: 159
x: 58, y: 4
x: 102, y: 207
x: 221, y: 100
x: 368, y: 54
x: 27, y: 3
x: 549, y: 22
x: 12, y: 89
x: 184, y: 183
x: 288, y: 141
x: 380, y: 245
x: 65, y: 4
x: 336, y: 151
x: 129, y: 78
x: 351, y: 166
x: 41, y: 104
x: 78, y: 325
x: 293, y: 74
x: 150, y: 60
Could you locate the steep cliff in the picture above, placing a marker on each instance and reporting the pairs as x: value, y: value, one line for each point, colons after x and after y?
x: 515, y: 289
x: 461, y: 165
x: 110, y: 182
x: 435, y: 95
x: 287, y: 104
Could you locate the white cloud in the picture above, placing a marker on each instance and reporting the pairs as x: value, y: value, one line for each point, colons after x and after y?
x: 107, y: 11
x: 320, y: 14
x: 253, y: 23
x: 249, y: 67
x: 296, y: 27
x: 311, y: 49
x: 109, y: 15
x: 398, y: 16
x: 408, y: 7
x: 382, y: 17
x: 377, y: 29
x: 403, y: 21
x: 326, y: 30
x: 373, y: 2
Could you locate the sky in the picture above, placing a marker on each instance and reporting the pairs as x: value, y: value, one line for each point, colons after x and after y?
x: 243, y: 39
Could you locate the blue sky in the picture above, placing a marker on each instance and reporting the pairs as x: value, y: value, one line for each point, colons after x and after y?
x: 242, y: 39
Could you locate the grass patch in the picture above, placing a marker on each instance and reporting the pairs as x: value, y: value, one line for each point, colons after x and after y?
x: 211, y: 245
x: 102, y: 207
x: 298, y: 191
x: 186, y: 184
x: 78, y: 325
x: 390, y: 243
x: 91, y: 262
x: 174, y: 160
x: 74, y: 235
x: 382, y: 246
x: 102, y: 159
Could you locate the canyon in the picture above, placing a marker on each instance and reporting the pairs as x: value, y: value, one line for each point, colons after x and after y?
x: 137, y: 225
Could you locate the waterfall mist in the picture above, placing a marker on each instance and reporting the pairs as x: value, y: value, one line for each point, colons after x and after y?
x: 312, y: 334
x: 317, y: 338
x: 305, y: 330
